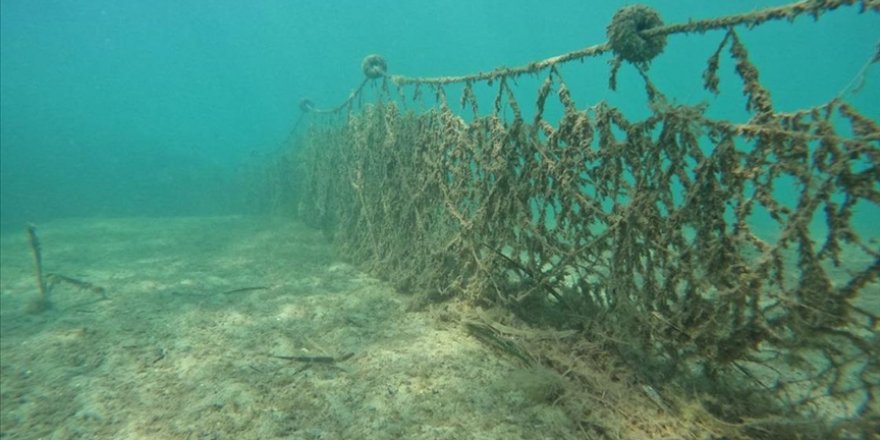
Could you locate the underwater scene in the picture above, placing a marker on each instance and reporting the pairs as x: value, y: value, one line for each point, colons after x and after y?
x: 440, y: 220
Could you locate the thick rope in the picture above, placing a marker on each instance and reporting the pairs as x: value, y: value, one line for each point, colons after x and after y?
x: 751, y: 19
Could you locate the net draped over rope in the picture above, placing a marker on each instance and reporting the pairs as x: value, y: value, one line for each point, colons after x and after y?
x: 643, y: 231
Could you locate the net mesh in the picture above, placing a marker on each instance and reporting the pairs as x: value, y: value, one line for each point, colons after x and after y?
x: 700, y: 251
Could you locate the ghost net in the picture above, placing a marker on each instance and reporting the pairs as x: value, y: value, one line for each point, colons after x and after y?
x: 714, y: 255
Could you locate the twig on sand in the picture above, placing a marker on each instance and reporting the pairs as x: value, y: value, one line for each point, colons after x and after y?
x: 312, y: 360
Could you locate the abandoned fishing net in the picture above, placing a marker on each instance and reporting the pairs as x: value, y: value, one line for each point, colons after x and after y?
x: 705, y: 254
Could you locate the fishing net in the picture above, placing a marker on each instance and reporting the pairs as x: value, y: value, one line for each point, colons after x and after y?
x: 716, y: 256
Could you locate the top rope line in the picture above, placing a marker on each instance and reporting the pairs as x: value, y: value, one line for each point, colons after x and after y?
x: 636, y: 34
x: 752, y: 19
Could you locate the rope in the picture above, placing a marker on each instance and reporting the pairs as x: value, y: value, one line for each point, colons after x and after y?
x: 375, y: 67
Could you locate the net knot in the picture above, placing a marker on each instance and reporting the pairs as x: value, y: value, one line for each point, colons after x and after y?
x: 306, y: 105
x: 624, y: 33
x: 374, y: 66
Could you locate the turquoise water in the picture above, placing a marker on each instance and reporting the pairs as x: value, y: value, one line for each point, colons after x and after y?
x: 149, y: 109
x: 126, y: 129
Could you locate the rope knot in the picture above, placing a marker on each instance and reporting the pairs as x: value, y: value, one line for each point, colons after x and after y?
x: 374, y: 66
x: 306, y: 105
x: 624, y: 33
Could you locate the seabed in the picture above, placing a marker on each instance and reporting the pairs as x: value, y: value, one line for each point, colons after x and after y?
x: 196, y: 309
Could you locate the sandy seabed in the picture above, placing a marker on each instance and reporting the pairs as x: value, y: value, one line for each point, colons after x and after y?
x: 182, y: 347
x: 253, y: 328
